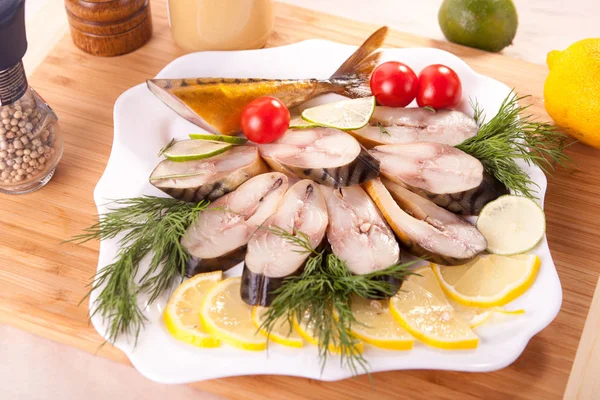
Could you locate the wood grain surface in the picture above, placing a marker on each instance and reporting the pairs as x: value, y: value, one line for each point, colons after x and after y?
x: 43, y: 281
x: 583, y: 382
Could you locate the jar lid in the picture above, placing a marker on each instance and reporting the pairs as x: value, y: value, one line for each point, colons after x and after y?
x: 12, y: 31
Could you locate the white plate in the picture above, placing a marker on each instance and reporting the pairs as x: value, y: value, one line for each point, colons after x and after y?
x: 143, y: 125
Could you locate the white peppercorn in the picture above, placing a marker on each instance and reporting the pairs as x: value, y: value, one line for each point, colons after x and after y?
x: 26, y: 149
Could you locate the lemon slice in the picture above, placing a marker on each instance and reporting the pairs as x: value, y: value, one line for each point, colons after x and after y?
x: 281, y: 333
x: 182, y: 313
x: 489, y: 281
x: 477, y: 316
x: 421, y: 308
x: 227, y: 317
x: 219, y: 138
x: 306, y: 330
x: 296, y: 122
x: 190, y: 150
x: 376, y: 325
x: 346, y: 114
x: 512, y: 224
x: 474, y: 316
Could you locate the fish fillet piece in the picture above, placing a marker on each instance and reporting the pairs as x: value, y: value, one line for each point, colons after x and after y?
x: 270, y: 258
x: 357, y: 232
x: 433, y: 167
x: 216, y: 104
x: 424, y: 228
x: 390, y: 125
x: 218, y: 238
x: 325, y: 155
x: 443, y: 174
x: 210, y: 178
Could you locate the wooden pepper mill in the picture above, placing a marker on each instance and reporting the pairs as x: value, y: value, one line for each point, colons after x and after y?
x: 109, y: 27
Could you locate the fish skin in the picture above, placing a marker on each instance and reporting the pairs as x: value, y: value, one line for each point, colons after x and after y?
x: 218, y: 238
x: 411, y: 216
x: 216, y: 104
x: 361, y: 168
x: 212, y: 190
x: 270, y: 258
x: 472, y: 201
x: 469, y: 201
x: 414, y: 125
x: 195, y: 266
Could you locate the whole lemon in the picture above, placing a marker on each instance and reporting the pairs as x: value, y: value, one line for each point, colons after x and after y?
x: 572, y: 90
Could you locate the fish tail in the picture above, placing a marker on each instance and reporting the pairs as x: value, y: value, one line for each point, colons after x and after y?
x: 354, y: 74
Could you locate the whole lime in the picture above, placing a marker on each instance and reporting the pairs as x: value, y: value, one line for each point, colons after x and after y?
x: 484, y: 24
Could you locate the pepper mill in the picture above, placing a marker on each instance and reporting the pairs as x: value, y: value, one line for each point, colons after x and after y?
x: 109, y: 27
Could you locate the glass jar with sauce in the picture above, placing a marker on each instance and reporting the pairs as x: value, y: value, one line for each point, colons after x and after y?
x: 198, y: 25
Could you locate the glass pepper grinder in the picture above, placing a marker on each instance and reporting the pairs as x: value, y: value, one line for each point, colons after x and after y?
x: 30, y: 139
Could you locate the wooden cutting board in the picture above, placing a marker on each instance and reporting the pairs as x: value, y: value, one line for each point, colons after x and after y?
x: 43, y: 281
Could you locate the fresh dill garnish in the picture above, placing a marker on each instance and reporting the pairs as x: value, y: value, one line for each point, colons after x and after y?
x: 382, y: 129
x: 321, y: 298
x: 511, y: 136
x: 151, y: 225
x: 167, y: 147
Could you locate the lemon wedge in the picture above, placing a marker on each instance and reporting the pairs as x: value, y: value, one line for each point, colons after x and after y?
x: 377, y: 327
x: 281, y: 333
x: 512, y: 224
x: 422, y: 309
x: 182, y: 313
x: 345, y: 115
x: 307, y: 331
x: 227, y: 317
x: 190, y: 150
x: 489, y: 281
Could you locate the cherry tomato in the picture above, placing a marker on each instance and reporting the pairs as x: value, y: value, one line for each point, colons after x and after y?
x: 394, y: 84
x: 439, y: 87
x: 265, y: 119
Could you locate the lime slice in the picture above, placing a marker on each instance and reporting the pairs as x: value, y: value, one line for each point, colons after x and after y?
x: 512, y: 225
x: 219, y: 138
x: 296, y: 122
x: 345, y: 114
x: 190, y: 150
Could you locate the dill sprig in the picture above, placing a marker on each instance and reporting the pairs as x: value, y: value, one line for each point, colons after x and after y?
x: 511, y: 136
x: 382, y: 129
x: 151, y: 225
x: 321, y: 297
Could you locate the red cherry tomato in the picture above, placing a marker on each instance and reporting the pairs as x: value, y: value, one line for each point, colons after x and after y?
x: 265, y: 119
x: 394, y: 84
x: 439, y: 87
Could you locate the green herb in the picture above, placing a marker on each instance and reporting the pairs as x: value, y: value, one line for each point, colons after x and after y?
x: 167, y: 147
x: 509, y: 137
x: 382, y: 129
x: 321, y: 297
x: 429, y: 108
x: 151, y: 225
